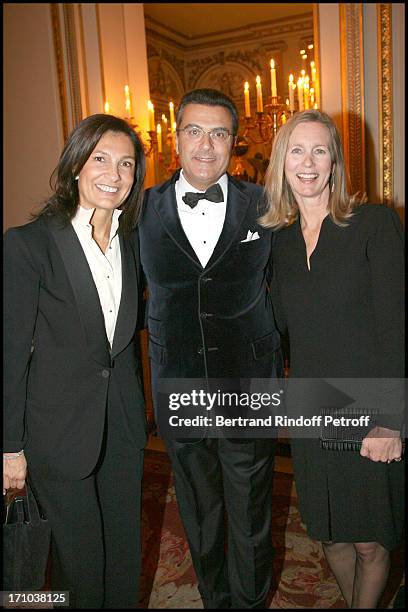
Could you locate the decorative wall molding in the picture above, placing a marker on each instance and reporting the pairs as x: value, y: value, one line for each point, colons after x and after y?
x: 72, y: 63
x: 385, y: 101
x: 226, y: 61
x: 59, y: 60
x: 66, y: 56
x: 352, y: 86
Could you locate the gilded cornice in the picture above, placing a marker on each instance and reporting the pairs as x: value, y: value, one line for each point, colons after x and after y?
x: 247, y: 33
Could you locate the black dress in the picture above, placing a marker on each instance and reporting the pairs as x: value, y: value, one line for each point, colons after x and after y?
x: 345, y: 320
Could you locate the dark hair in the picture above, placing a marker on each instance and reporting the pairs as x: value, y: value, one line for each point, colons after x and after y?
x: 79, y: 146
x: 210, y: 97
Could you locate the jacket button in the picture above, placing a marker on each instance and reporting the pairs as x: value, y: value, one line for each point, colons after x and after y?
x: 203, y: 315
x: 105, y: 373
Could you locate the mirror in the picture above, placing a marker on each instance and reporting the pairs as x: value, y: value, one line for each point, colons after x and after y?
x: 223, y: 46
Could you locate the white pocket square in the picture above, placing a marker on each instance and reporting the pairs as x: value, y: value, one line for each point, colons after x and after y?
x: 251, y: 236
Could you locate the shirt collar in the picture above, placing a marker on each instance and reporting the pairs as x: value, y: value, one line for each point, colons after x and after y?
x: 82, y: 218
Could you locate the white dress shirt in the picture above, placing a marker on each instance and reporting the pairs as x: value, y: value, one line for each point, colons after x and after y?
x: 203, y: 223
x: 106, y: 267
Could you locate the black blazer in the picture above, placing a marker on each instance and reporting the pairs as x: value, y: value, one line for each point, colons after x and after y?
x: 60, y: 373
x: 214, y: 321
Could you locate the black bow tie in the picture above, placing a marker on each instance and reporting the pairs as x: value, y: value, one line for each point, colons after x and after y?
x: 213, y: 193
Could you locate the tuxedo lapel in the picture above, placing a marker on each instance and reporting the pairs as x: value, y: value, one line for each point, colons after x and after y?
x: 237, y: 206
x: 166, y: 208
x: 84, y: 289
x: 128, y: 309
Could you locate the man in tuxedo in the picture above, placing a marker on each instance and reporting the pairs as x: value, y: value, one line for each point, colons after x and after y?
x: 209, y: 316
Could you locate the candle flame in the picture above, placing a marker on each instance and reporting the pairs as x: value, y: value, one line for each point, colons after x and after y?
x: 272, y: 63
x: 164, y: 118
x: 258, y: 80
x: 107, y: 107
x: 158, y: 128
x: 150, y: 105
x: 246, y: 86
x: 291, y: 78
x: 127, y: 90
x: 171, y: 106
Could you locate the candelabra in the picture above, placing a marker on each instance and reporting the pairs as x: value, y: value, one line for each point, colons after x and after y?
x: 263, y: 129
x: 260, y: 130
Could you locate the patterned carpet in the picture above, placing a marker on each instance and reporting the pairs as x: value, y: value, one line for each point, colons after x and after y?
x: 302, y: 577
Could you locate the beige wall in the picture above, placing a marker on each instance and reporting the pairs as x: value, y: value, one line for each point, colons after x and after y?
x: 32, y: 125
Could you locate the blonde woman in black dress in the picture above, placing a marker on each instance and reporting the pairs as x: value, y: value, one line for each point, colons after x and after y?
x: 337, y: 289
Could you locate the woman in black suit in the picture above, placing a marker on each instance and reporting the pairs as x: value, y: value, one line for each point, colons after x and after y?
x: 337, y: 289
x: 74, y: 409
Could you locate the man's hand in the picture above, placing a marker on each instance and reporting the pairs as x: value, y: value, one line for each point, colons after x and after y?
x: 14, y: 472
x: 382, y: 444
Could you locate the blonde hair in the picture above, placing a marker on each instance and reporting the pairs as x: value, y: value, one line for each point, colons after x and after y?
x: 281, y: 207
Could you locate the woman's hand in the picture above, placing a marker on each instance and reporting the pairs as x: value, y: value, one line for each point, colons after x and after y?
x: 382, y: 444
x: 14, y: 472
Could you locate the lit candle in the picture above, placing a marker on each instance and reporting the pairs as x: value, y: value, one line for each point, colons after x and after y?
x: 273, y: 79
x: 306, y: 92
x: 173, y: 131
x: 312, y: 98
x: 313, y: 69
x: 283, y: 118
x: 150, y: 109
x: 128, y: 107
x: 107, y: 107
x: 164, y: 119
x: 246, y: 99
x: 291, y: 93
x: 300, y: 94
x: 159, y: 138
x: 171, y: 107
x: 259, y: 103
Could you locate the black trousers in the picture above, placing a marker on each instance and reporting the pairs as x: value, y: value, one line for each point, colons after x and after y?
x: 224, y: 492
x: 95, y: 522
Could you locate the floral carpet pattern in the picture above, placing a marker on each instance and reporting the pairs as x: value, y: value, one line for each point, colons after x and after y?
x: 302, y: 576
x: 168, y: 578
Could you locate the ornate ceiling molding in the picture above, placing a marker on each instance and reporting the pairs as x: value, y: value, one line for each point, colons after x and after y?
x: 249, y: 33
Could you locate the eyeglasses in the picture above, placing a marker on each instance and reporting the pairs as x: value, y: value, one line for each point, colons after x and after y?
x: 195, y: 133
